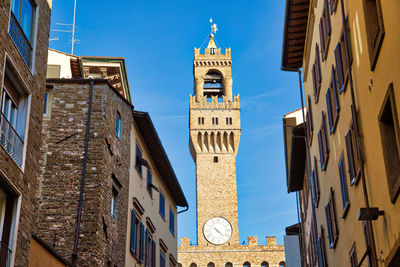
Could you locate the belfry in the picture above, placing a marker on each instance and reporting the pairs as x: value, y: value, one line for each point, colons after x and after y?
x: 214, y: 141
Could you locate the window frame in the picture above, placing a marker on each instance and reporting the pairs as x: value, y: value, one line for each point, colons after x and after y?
x: 353, y: 161
x: 331, y: 220
x: 138, y: 162
x: 171, y: 221
x: 162, y: 204
x: 332, y: 103
x: 118, y: 125
x: 149, y: 183
x: 343, y: 187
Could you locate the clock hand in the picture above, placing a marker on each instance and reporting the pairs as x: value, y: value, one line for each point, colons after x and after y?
x: 217, y: 230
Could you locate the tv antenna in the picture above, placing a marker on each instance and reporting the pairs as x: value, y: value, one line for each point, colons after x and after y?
x: 71, y: 30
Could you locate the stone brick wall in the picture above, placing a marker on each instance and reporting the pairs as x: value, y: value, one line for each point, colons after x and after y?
x: 24, y: 179
x: 102, y: 238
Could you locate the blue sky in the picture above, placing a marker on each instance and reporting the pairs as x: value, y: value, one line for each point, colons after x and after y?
x: 157, y: 40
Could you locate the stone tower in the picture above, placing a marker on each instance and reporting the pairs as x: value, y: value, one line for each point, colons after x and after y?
x: 214, y: 141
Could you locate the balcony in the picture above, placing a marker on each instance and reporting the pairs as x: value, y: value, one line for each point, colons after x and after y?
x: 20, y: 40
x: 5, y: 255
x: 10, y: 140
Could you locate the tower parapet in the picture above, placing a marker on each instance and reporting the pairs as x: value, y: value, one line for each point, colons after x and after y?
x: 226, y: 103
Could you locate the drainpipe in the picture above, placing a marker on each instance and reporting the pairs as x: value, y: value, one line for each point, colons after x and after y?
x: 78, y: 221
x: 307, y: 154
x: 356, y: 125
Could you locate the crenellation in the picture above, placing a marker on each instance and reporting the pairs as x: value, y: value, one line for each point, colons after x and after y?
x: 200, y: 102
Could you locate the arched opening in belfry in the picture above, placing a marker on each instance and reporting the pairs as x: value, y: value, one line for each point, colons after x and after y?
x: 211, y: 264
x: 246, y: 264
x: 206, y: 148
x: 213, y: 85
x: 193, y: 264
x: 228, y: 264
x: 264, y: 264
x: 225, y: 141
x: 231, y: 142
x: 199, y: 142
x: 282, y: 264
x: 212, y: 142
x: 219, y: 142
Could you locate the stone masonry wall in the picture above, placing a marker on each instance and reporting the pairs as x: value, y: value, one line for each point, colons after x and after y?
x: 25, y: 180
x: 102, y: 238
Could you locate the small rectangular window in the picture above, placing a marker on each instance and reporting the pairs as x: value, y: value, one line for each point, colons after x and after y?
x: 162, y: 205
x: 114, y: 202
x: 118, y: 126
x: 149, y: 183
x: 215, y: 159
x: 390, y: 140
x: 134, y: 233
x: 172, y: 221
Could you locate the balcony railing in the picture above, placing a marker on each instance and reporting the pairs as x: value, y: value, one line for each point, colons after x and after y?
x: 10, y: 140
x: 5, y: 255
x: 20, y: 40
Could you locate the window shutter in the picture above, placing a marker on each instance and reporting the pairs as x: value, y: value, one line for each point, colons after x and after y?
x: 321, y: 153
x: 349, y: 149
x: 315, y: 83
x: 322, y: 36
x: 344, y: 59
x: 314, y: 190
x: 332, y: 4
x: 142, y: 242
x: 324, y: 137
x: 147, y: 249
x: 316, y: 178
x: 329, y: 109
x: 310, y: 109
x: 133, y: 232
x: 318, y: 66
x: 335, y: 228
x: 343, y: 183
x: 329, y: 224
x: 153, y: 253
x: 322, y: 249
x: 327, y: 21
x: 354, y: 149
x: 369, y: 244
x: 335, y: 91
x: 339, y: 67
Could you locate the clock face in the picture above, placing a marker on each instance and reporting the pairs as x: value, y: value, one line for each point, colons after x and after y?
x: 217, y: 230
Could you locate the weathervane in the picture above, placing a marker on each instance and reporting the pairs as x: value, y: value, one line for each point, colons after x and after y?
x: 214, y: 28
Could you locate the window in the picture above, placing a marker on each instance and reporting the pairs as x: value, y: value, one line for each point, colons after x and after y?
x: 162, y: 205
x: 352, y: 155
x: 390, y: 140
x: 162, y: 259
x: 172, y: 221
x: 21, y: 26
x: 331, y: 222
x: 215, y: 159
x: 13, y: 116
x: 313, y: 251
x: 114, y: 202
x: 332, y: 103
x: 228, y: 264
x: 228, y: 120
x: 323, y: 144
x: 321, y: 249
x: 214, y: 121
x: 201, y: 120
x: 53, y: 71
x: 118, y: 126
x: 343, y: 186
x: 8, y: 213
x: 149, y: 183
x: 212, y: 51
x: 374, y: 29
x: 341, y: 64
x: 211, y: 264
x: 309, y: 122
x: 246, y: 264
x: 315, y: 183
x: 138, y: 164
x: 324, y: 30
x: 150, y: 252
x: 264, y: 264
x: 353, y: 256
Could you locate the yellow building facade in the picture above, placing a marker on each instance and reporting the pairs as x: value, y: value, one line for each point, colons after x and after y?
x: 347, y: 52
x: 214, y: 141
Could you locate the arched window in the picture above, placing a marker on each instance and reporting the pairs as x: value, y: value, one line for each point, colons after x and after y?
x: 193, y: 264
x: 179, y: 265
x: 264, y: 264
x: 282, y: 264
x: 211, y: 264
x: 246, y: 264
x: 213, y: 84
x: 228, y: 264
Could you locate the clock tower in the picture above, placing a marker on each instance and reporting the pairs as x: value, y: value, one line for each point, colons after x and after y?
x: 214, y: 141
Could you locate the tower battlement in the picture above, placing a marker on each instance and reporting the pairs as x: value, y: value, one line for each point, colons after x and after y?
x: 200, y: 102
x: 207, y: 54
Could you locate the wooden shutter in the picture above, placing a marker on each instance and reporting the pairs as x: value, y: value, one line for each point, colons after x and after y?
x: 329, y: 224
x: 316, y: 178
x: 133, y: 232
x: 339, y: 67
x: 350, y: 161
x: 335, y: 91
x: 343, y: 186
x: 153, y: 253
x: 329, y: 109
x: 322, y: 36
x: 332, y: 5
x: 142, y: 242
x: 318, y: 66
x: 324, y: 138
x: 357, y: 166
x: 344, y: 58
x: 369, y: 244
x: 327, y: 21
x: 315, y: 183
x: 321, y: 150
x: 332, y: 206
x: 147, y: 249
x: 314, y: 77
x: 310, y: 109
